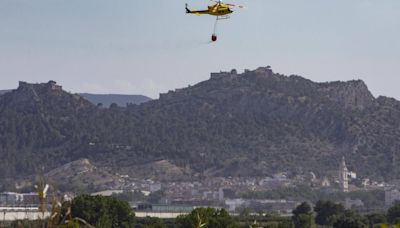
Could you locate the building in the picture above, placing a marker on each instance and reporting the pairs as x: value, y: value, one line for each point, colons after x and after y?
x: 343, y: 176
x: 11, y: 198
x: 391, y: 196
x: 155, y: 187
x: 107, y: 193
x: 325, y: 182
x: 352, y: 175
x: 350, y: 203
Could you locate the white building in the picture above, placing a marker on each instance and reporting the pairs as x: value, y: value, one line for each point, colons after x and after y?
x: 325, y: 182
x: 352, y: 175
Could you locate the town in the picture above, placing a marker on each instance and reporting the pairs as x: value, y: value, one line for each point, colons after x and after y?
x: 235, y: 194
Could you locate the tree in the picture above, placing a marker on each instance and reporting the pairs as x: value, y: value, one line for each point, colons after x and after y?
x: 393, y: 214
x: 374, y: 219
x: 303, y: 208
x: 150, y: 222
x: 103, y: 211
x: 349, y: 219
x: 156, y: 196
x: 302, y: 216
x: 206, y: 218
x: 302, y: 221
x: 327, y: 212
x: 347, y: 222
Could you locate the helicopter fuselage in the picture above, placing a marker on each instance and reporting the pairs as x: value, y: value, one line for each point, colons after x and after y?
x: 218, y: 9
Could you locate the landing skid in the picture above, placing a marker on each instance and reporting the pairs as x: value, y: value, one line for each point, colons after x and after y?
x: 222, y: 18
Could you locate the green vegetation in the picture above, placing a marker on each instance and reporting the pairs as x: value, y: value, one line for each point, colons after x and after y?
x: 103, y: 212
x: 110, y: 212
x: 302, y: 216
x: 156, y: 196
x: 374, y: 219
x: 393, y: 214
x: 207, y: 218
x: 327, y: 212
x: 153, y: 223
x: 349, y: 219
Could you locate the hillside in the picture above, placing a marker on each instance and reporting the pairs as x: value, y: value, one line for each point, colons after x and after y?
x: 81, y: 174
x: 249, y: 124
x: 121, y: 100
x: 107, y: 99
x: 4, y: 91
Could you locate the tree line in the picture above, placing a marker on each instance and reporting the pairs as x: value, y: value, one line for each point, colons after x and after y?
x: 110, y: 212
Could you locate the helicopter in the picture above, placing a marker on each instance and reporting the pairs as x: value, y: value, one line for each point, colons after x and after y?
x: 219, y: 9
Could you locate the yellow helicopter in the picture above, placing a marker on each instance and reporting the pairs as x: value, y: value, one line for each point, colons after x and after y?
x: 219, y: 9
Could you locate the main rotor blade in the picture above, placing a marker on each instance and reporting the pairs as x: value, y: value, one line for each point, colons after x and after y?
x: 230, y: 4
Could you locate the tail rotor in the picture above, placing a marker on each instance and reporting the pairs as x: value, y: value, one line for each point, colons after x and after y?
x: 187, y: 8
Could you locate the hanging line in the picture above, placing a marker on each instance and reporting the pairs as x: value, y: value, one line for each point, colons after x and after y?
x: 215, y: 26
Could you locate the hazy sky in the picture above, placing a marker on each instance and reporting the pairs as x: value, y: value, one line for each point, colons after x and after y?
x: 147, y: 47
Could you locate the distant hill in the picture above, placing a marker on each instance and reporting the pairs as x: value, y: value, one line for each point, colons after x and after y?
x: 107, y: 99
x: 4, y: 91
x: 121, y: 100
x: 250, y: 124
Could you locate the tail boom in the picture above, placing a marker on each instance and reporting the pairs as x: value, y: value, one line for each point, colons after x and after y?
x: 187, y: 9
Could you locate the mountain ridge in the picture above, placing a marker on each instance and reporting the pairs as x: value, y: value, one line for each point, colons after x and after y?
x: 107, y: 99
x: 249, y: 124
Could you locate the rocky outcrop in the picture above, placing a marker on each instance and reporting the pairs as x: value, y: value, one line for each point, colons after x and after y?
x: 81, y: 174
x: 351, y: 94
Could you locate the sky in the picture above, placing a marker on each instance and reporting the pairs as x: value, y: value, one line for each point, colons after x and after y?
x: 149, y: 47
